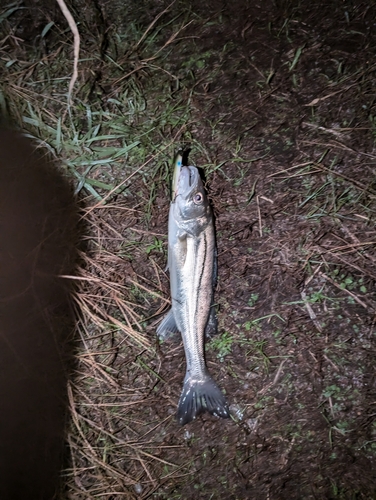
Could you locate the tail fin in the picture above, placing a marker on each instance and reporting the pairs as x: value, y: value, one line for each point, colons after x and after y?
x: 198, y: 396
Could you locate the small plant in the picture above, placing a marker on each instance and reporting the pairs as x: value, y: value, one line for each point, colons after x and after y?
x: 331, y: 390
x: 253, y: 299
x: 156, y: 245
x: 249, y: 325
x: 222, y: 344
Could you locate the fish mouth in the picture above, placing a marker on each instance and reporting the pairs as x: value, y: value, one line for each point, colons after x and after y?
x: 188, y: 179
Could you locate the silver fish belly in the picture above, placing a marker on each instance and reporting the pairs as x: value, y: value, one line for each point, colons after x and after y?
x: 191, y: 261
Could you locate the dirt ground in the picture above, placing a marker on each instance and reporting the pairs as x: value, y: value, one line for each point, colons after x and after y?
x: 282, y: 106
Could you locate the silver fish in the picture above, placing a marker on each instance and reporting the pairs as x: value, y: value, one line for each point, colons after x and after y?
x: 192, y: 266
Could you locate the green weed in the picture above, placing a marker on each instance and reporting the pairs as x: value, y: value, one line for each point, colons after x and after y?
x: 222, y: 345
x: 157, y: 245
x: 253, y: 299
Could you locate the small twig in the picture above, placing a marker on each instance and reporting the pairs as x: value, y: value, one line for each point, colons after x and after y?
x: 153, y: 23
x: 266, y: 199
x: 337, y: 255
x: 324, y: 129
x: 354, y: 246
x: 358, y: 242
x: 279, y: 371
x: 331, y: 362
x: 344, y: 290
x: 331, y: 406
x: 148, y: 290
x: 259, y: 216
x: 76, y: 40
x: 319, y: 99
x: 157, y: 274
x: 169, y: 41
x: 339, y: 145
x: 345, y: 177
x: 305, y: 164
x: 310, y: 278
x: 311, y: 313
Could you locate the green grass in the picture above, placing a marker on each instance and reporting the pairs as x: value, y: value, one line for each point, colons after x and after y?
x: 104, y: 144
x: 222, y: 345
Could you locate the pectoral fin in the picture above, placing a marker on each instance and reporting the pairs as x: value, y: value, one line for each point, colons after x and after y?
x: 167, y: 327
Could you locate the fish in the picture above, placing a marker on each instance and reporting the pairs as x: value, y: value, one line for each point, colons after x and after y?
x: 192, y: 267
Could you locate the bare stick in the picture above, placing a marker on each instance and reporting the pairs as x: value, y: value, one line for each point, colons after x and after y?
x: 259, y: 216
x: 73, y: 26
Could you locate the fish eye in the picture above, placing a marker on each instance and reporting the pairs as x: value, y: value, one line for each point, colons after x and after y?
x: 198, y: 198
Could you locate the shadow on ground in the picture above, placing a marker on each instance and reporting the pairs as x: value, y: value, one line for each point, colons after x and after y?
x: 38, y: 238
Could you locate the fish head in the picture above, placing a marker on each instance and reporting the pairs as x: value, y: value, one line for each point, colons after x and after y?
x: 191, y: 200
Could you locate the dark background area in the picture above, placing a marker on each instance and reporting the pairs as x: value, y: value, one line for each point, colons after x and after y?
x: 38, y: 239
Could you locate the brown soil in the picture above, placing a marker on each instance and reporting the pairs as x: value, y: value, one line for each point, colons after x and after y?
x: 303, y: 388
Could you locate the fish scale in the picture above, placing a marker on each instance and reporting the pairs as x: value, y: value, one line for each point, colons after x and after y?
x: 196, y: 317
x: 192, y: 266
